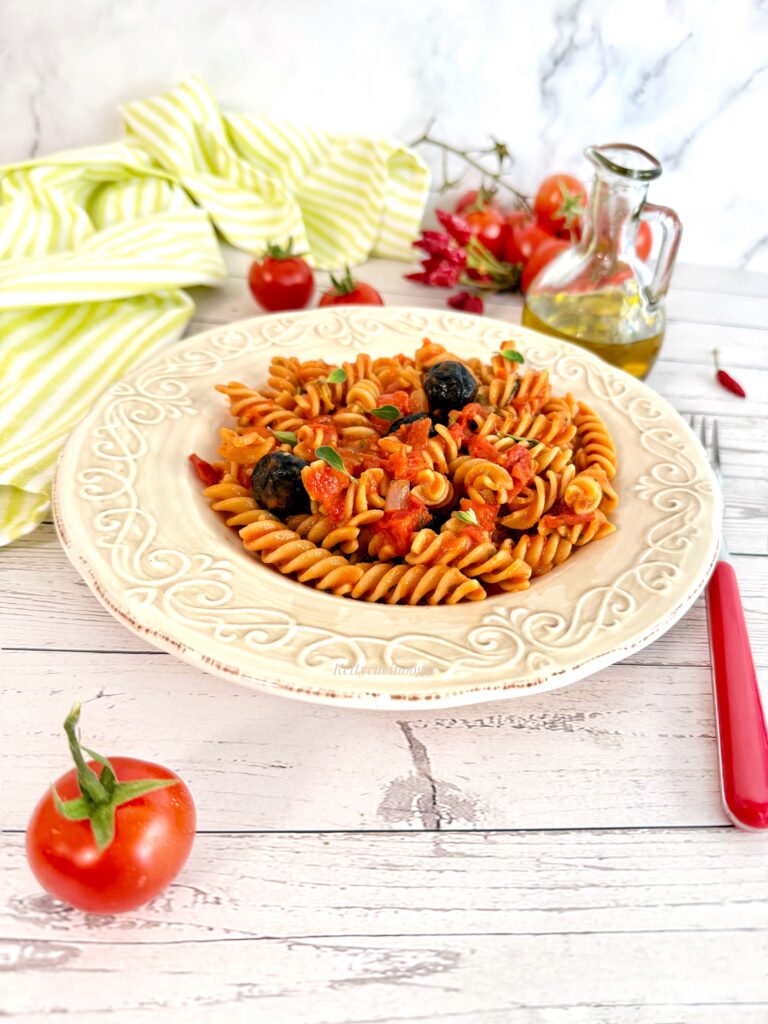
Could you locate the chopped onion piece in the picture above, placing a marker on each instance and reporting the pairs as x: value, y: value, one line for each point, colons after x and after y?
x: 397, y: 495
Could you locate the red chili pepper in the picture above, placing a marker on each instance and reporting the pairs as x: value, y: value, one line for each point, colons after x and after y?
x: 467, y: 302
x: 727, y: 381
x: 456, y: 226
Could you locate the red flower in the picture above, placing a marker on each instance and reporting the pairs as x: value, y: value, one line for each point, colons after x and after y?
x: 439, y: 272
x: 456, y: 226
x: 440, y: 244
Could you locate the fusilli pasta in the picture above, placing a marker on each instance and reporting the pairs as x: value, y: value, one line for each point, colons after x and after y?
x: 375, y: 481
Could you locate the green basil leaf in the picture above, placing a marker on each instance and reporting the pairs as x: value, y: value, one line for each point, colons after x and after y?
x: 285, y: 436
x: 467, y: 517
x: 512, y: 355
x: 337, y: 376
x: 390, y: 413
x: 332, y: 457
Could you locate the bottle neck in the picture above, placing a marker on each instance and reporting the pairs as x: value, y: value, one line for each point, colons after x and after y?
x: 612, y: 222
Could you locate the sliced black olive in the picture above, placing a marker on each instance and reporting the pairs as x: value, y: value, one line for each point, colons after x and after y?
x: 449, y: 385
x: 277, y: 486
x: 411, y: 418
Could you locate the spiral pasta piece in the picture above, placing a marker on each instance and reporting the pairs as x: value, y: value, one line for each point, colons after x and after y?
x: 541, y: 553
x: 251, y: 408
x: 411, y: 584
x: 353, y: 426
x: 286, y: 551
x: 483, y: 480
x: 284, y: 380
x: 433, y: 488
x: 364, y: 394
x: 244, y: 449
x: 234, y: 501
x: 316, y: 399
x: 584, y: 493
x: 596, y: 447
x: 327, y: 533
x: 441, y: 451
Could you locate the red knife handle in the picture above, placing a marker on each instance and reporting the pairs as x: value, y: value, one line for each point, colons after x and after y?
x: 741, y: 727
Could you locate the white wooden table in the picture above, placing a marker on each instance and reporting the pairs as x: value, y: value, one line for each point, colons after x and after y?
x: 553, y: 859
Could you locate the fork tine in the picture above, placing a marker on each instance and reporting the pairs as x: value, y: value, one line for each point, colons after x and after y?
x: 715, y: 445
x: 703, y: 432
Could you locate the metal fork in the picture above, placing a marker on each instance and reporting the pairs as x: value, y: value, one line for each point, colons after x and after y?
x: 741, y: 727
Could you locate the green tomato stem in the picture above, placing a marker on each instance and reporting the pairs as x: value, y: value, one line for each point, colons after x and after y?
x: 100, y: 795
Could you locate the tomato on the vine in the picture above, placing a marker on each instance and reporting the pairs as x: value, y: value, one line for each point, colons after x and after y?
x: 643, y: 240
x: 280, y: 280
x: 523, y: 236
x: 476, y: 199
x: 542, y: 255
x: 489, y: 225
x: 346, y: 291
x: 559, y: 205
x: 110, y: 834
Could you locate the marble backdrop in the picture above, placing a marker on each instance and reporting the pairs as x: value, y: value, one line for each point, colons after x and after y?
x: 687, y: 79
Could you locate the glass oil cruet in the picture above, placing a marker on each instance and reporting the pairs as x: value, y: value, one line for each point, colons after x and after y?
x: 599, y: 293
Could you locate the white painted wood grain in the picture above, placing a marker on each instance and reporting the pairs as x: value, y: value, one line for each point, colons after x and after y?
x: 632, y: 745
x: 557, y: 927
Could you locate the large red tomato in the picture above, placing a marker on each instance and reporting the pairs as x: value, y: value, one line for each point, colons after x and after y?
x: 559, y: 205
x: 523, y: 236
x: 543, y: 255
x: 112, y: 834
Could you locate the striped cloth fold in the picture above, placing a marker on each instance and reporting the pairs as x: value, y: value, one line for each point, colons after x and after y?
x: 97, y: 243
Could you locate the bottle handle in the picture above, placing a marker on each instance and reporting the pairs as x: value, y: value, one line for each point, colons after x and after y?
x: 672, y: 229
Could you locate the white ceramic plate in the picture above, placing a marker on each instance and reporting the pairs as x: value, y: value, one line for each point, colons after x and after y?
x: 132, y: 518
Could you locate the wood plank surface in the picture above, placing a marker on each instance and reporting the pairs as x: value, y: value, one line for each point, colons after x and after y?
x: 632, y: 745
x: 624, y: 926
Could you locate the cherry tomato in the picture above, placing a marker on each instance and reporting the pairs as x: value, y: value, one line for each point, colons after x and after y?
x: 153, y: 833
x: 346, y: 291
x: 489, y: 226
x: 644, y: 240
x: 559, y: 205
x: 524, y: 235
x: 280, y: 280
x: 475, y: 198
x: 543, y: 255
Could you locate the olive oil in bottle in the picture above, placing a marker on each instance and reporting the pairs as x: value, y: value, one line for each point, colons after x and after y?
x: 577, y: 318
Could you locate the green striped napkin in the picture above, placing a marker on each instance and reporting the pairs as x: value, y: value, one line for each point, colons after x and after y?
x: 95, y: 245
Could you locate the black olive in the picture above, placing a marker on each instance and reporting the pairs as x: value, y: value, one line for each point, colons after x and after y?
x: 449, y: 385
x: 277, y: 486
x: 411, y: 418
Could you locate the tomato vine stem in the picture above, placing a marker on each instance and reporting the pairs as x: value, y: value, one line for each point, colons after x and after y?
x: 498, y: 149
